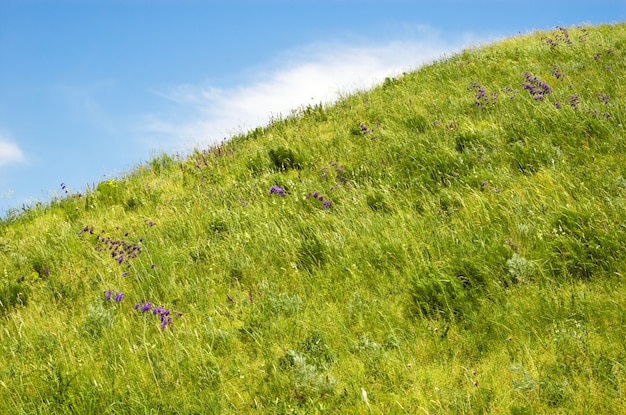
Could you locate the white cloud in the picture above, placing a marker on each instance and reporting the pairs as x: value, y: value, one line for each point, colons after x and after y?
x: 318, y: 73
x: 9, y: 151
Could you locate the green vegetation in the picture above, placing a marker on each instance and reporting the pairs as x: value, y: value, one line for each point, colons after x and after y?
x: 450, y: 242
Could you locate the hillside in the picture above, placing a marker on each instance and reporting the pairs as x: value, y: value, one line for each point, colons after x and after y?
x: 449, y: 242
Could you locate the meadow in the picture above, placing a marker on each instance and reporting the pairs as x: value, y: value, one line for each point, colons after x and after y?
x: 448, y: 242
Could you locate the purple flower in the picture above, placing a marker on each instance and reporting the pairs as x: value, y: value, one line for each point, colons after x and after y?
x: 485, y: 183
x: 118, y: 297
x: 107, y: 294
x: 557, y: 105
x: 120, y: 259
x: 604, y: 98
x: 165, y: 322
x: 535, y: 87
x: 136, y: 307
x: 278, y: 190
x: 327, y: 203
x: 145, y: 307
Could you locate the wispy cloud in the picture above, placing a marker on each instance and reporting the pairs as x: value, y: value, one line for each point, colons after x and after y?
x: 319, y: 73
x: 9, y: 151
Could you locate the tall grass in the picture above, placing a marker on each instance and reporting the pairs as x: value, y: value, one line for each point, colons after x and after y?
x: 448, y: 242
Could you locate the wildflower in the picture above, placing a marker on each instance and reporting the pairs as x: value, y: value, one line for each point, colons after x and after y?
x: 604, y: 98
x: 120, y: 259
x: 558, y: 74
x: 145, y: 307
x: 118, y: 297
x: 107, y: 295
x: 327, y: 203
x: 485, y: 183
x: 165, y: 322
x: 136, y: 307
x: 535, y: 87
x: 557, y: 105
x: 278, y: 190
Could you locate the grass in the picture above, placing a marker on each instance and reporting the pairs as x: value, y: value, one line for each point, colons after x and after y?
x: 449, y: 242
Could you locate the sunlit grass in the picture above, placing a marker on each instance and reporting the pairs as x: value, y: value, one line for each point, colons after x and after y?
x: 448, y: 242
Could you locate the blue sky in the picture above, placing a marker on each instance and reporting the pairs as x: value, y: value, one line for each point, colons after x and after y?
x: 90, y: 89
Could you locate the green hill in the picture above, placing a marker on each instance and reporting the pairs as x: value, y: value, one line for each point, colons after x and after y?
x: 449, y: 242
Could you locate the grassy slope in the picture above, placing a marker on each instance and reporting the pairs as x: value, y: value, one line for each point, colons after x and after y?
x: 471, y: 260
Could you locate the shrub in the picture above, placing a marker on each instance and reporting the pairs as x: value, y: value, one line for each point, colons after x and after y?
x: 434, y: 294
x: 311, y: 253
x: 376, y: 202
x: 308, y: 381
x: 283, y: 159
x: 12, y: 294
x: 583, y: 247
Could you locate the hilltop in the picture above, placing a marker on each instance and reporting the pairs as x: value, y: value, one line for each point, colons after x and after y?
x: 451, y: 241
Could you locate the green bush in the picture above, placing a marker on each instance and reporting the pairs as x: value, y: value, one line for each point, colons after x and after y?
x: 435, y: 294
x: 13, y: 293
x: 283, y: 158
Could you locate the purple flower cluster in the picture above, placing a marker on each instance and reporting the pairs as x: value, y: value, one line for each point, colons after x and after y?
x: 364, y: 129
x: 604, y: 98
x: 119, y: 250
x: 537, y: 89
x: 509, y: 91
x: 556, y: 72
x: 277, y: 190
x: 595, y: 113
x: 482, y: 98
x: 163, y: 313
x: 117, y: 296
x: 485, y: 185
x: 337, y: 170
x: 574, y: 100
x: 326, y: 203
x: 202, y: 158
x: 561, y: 37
